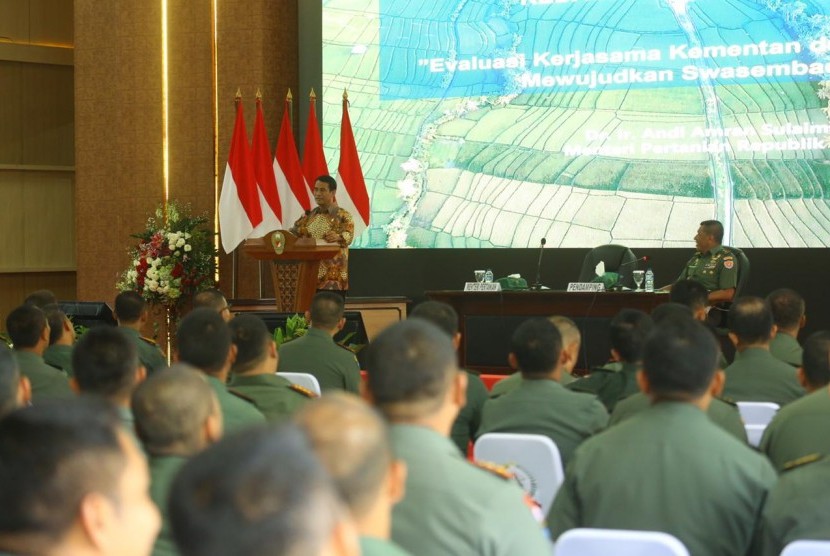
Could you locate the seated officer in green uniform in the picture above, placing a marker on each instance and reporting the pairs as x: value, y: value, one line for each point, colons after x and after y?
x: 755, y: 375
x: 540, y: 405
x: 787, y: 308
x: 713, y: 265
x: 29, y: 331
x: 571, y: 341
x: 800, y: 428
x: 73, y: 482
x: 15, y: 390
x: 61, y: 339
x: 316, y: 353
x: 669, y: 468
x: 132, y: 315
x: 466, y: 424
x: 215, y: 300
x: 253, y: 373
x: 177, y: 416
x: 352, y: 441
x: 451, y: 506
x: 628, y: 332
x: 204, y: 341
x: 261, y: 491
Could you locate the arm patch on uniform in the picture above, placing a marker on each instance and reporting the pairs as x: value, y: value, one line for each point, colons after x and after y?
x: 728, y: 263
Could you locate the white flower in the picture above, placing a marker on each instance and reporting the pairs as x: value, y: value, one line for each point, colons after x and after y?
x: 187, y: 235
x: 180, y: 242
x: 152, y: 273
x: 137, y: 262
x: 188, y: 248
x: 149, y: 260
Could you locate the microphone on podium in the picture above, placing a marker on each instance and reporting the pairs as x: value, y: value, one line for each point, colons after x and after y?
x: 537, y: 285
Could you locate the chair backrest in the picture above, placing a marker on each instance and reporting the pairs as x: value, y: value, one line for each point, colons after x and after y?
x: 602, y: 542
x: 617, y: 258
x: 756, y: 417
x: 807, y: 548
x: 534, y: 459
x: 305, y: 380
x: 743, y: 270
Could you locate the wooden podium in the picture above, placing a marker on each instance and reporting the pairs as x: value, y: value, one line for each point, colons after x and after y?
x: 294, y: 263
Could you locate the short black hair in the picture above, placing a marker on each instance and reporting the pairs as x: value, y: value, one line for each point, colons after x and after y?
x: 409, y: 367
x: 816, y: 359
x: 750, y: 319
x: 55, y: 317
x: 629, y: 330
x: 537, y: 345
x: 260, y: 491
x: 670, y: 311
x: 204, y: 340
x: 326, y: 310
x: 690, y: 293
x: 251, y: 338
x: 714, y: 228
x: 40, y: 298
x: 787, y: 307
x: 9, y: 380
x: 679, y: 359
x: 441, y: 314
x: 53, y: 454
x: 105, y: 361
x: 25, y: 324
x: 211, y: 298
x: 328, y: 180
x: 129, y: 306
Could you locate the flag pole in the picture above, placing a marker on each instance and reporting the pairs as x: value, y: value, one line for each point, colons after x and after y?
x: 259, y: 263
x: 234, y: 259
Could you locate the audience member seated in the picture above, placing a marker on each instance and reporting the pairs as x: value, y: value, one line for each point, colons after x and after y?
x: 801, y: 428
x: 215, y: 300
x: 628, y: 335
x: 352, y: 441
x: 41, y: 298
x: 670, y: 468
x: 466, y: 424
x: 788, y: 314
x: 177, y: 416
x: 29, y: 332
x: 261, y: 491
x: 106, y: 365
x: 61, y: 339
x: 316, y: 353
x: 674, y: 309
x: 132, y: 314
x: 253, y: 373
x: 204, y: 341
x: 451, y: 506
x: 571, y: 341
x: 540, y: 405
x: 15, y: 390
x: 755, y: 375
x: 73, y: 482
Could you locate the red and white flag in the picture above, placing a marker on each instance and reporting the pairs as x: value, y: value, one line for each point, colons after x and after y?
x: 314, y: 157
x: 269, y: 198
x: 351, y: 188
x: 295, y: 194
x: 239, y: 209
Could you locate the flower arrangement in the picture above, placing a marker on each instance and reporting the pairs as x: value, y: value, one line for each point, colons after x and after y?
x: 173, y: 260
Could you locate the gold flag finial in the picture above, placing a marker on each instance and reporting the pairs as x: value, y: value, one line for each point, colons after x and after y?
x: 312, y: 95
x: 345, y: 94
x: 238, y: 95
x: 288, y: 96
x: 258, y: 94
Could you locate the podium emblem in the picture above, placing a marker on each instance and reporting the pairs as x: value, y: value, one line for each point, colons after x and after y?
x: 278, y: 242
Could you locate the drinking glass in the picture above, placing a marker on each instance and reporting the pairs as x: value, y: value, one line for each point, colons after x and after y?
x: 638, y: 276
x: 479, y: 274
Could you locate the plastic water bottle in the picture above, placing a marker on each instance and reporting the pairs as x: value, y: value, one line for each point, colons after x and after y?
x: 649, y: 280
x: 488, y: 276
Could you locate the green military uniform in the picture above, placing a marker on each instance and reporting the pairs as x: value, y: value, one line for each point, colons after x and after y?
x: 799, y: 429
x: 723, y: 413
x: 454, y: 507
x: 149, y: 353
x: 667, y: 469
x: 797, y: 508
x: 60, y: 357
x: 316, y: 353
x: 512, y: 382
x: 469, y: 418
x: 370, y: 546
x: 273, y: 395
x: 787, y: 349
x: 609, y: 384
x: 237, y: 413
x: 544, y: 406
x: 756, y: 376
x: 163, y: 470
x: 716, y: 269
x: 47, y: 382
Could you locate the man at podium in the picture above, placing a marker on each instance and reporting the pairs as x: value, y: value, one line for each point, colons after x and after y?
x: 328, y: 223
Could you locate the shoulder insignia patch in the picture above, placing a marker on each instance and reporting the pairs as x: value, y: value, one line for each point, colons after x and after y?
x: 801, y: 461
x: 499, y: 471
x: 149, y: 341
x: 304, y: 391
x: 728, y: 263
x: 242, y: 396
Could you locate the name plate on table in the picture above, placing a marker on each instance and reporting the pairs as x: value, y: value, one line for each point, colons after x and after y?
x: 482, y: 287
x: 586, y: 287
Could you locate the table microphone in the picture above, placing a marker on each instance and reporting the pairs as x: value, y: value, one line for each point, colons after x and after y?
x: 537, y: 285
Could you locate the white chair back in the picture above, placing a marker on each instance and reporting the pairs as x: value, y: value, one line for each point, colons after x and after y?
x: 807, y: 548
x: 533, y: 459
x: 756, y: 416
x: 604, y: 542
x: 303, y: 379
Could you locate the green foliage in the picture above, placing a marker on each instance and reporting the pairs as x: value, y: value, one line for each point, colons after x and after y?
x: 295, y: 327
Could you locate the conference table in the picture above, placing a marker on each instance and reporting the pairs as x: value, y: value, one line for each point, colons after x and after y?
x: 488, y: 319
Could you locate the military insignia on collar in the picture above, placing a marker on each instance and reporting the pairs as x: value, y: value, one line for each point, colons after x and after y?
x: 304, y: 391
x: 728, y: 263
